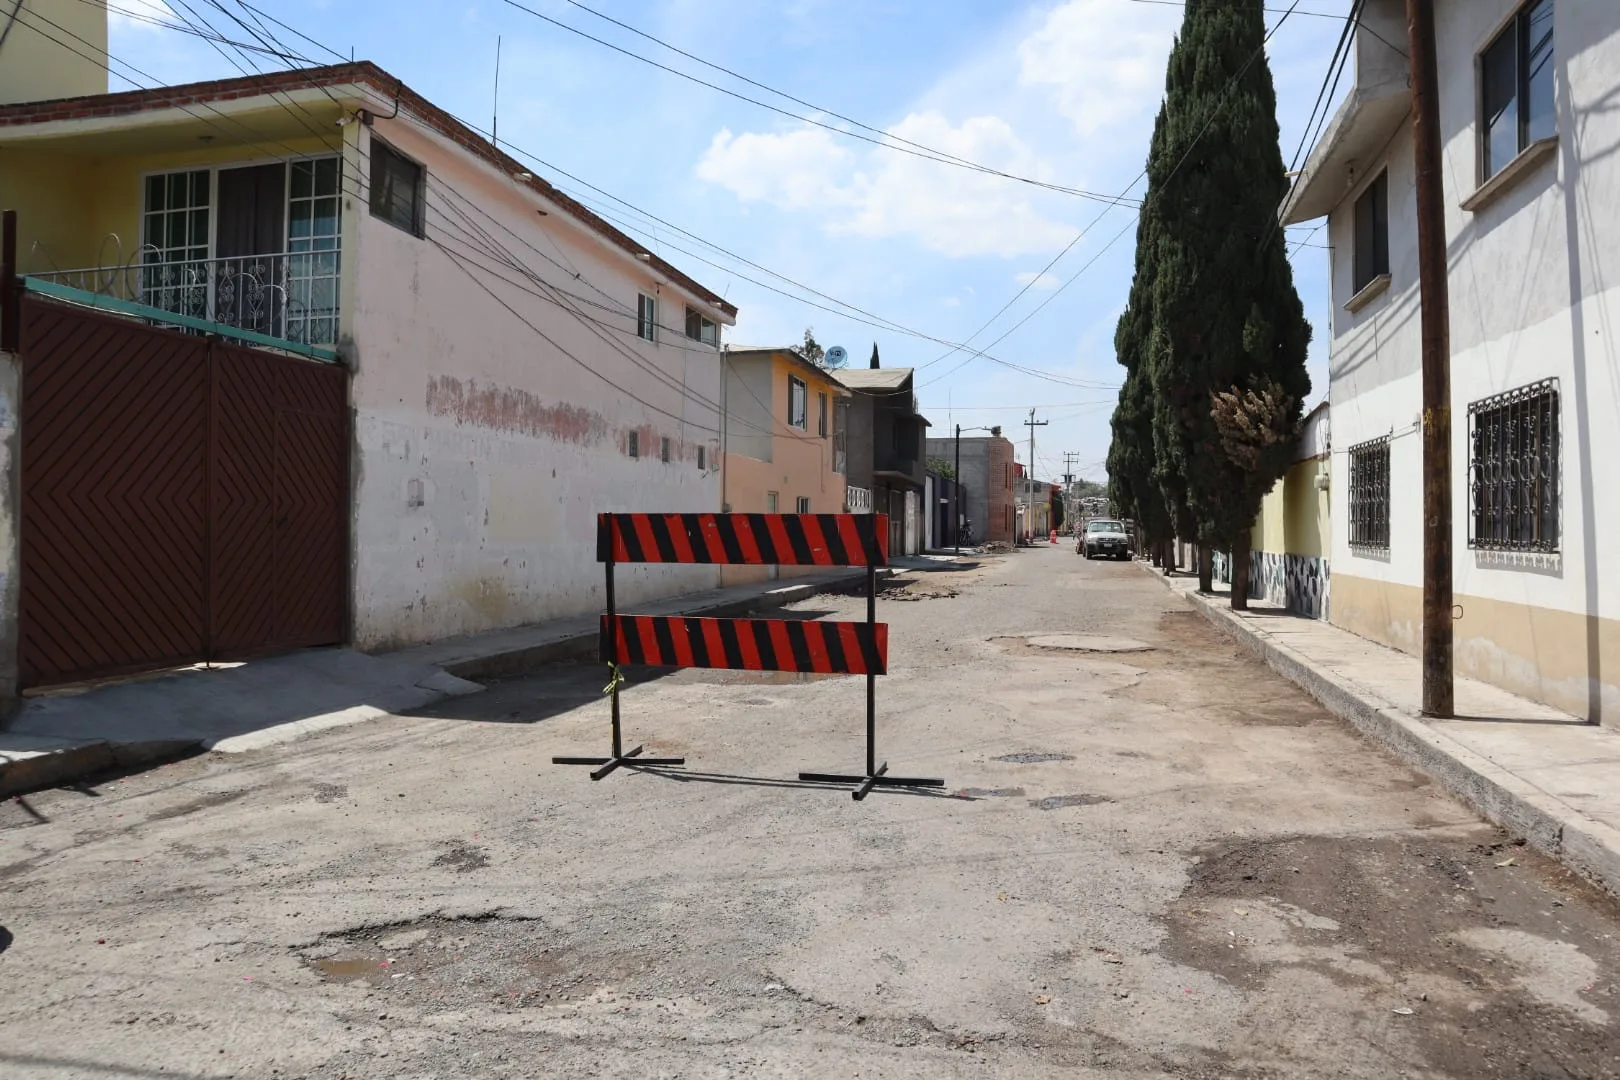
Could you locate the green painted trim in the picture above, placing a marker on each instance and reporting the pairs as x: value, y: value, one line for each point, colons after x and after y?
x: 142, y: 311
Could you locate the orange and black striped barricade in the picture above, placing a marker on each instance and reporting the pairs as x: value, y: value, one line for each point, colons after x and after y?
x: 829, y: 648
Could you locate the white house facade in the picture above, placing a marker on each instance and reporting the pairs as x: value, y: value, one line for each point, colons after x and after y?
x: 1529, y: 97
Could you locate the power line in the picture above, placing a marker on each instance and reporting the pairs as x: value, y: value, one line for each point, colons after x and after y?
x: 1083, y: 232
x: 901, y: 145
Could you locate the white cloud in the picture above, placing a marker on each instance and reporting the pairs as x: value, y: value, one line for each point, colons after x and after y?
x: 139, y: 15
x: 1103, y: 61
x: 885, y: 193
x: 1036, y: 280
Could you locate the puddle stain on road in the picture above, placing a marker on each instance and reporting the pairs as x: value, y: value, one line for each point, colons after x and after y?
x: 1033, y: 758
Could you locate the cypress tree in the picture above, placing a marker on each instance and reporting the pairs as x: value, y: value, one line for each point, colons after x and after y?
x: 1226, y: 358
x: 1131, y: 484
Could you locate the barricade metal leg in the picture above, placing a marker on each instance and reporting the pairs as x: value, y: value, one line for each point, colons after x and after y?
x: 876, y: 775
x: 618, y: 756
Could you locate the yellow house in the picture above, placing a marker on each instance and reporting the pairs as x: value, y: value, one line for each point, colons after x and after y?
x: 782, y: 448
x: 1289, y: 545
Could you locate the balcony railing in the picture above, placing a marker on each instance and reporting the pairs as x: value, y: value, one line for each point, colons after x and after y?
x: 284, y: 297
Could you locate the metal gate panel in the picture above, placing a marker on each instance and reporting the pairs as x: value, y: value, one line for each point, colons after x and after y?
x: 280, y: 499
x: 114, y: 504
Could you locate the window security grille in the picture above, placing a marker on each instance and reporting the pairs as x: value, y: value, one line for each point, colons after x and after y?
x: 1514, y: 470
x: 1369, y: 495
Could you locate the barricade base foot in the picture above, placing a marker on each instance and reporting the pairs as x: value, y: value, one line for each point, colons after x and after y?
x: 864, y: 784
x: 608, y: 764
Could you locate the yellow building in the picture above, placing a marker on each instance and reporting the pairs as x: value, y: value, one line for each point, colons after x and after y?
x: 782, y: 449
x: 1288, y: 562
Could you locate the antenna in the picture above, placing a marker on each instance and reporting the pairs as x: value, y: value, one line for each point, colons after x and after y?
x: 495, y: 112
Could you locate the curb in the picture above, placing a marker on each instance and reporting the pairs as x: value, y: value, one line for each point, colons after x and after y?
x: 53, y: 768
x: 1548, y: 824
x: 519, y: 661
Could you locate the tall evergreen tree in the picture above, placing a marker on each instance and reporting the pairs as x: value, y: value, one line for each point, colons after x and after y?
x: 1131, y: 484
x: 1226, y: 318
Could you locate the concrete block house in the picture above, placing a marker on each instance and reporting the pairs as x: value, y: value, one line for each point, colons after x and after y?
x: 341, y: 372
x: 1529, y: 134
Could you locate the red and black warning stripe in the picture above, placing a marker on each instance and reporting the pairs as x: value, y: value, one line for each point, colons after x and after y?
x: 758, y: 539
x: 827, y: 648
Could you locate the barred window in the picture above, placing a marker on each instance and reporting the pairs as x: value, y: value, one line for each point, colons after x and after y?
x: 1369, y: 495
x: 1513, y: 470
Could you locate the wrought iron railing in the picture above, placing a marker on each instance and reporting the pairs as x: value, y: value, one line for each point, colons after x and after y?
x: 292, y: 297
x: 1369, y: 495
x: 1513, y: 470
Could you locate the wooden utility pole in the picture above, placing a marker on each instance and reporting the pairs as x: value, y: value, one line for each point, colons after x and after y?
x: 1438, y: 699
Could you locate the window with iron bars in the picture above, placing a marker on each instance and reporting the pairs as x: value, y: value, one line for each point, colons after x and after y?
x: 1513, y: 470
x: 1369, y: 495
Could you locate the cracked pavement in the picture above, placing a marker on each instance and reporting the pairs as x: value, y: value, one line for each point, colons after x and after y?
x: 1161, y: 862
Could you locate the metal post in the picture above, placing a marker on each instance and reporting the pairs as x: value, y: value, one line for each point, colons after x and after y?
x: 871, y: 679
x: 1434, y: 305
x: 613, y: 659
x: 956, y: 495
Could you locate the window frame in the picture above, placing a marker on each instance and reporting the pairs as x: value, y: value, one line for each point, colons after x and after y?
x: 646, y: 317
x: 1371, y: 209
x: 802, y: 505
x: 800, y: 390
x: 663, y: 450
x: 772, y: 501
x: 1511, y: 436
x: 699, y: 327
x: 1514, y: 32
x: 632, y: 444
x: 1369, y: 496
x: 380, y: 152
x: 821, y: 421
x: 702, y: 458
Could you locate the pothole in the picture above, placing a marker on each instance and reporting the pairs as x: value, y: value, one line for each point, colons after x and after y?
x: 1033, y: 758
x: 1058, y: 802
x: 1088, y: 643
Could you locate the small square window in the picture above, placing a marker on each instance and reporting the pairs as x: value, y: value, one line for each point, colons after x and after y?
x: 803, y: 505
x: 396, y: 188
x: 699, y: 328
x: 633, y: 444
x: 1369, y: 495
x: 1513, y: 470
x: 798, y: 403
x: 663, y: 451
x: 1516, y: 105
x: 1372, y: 233
x: 646, y: 317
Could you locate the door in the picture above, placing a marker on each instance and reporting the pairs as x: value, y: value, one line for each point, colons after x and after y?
x: 250, y: 237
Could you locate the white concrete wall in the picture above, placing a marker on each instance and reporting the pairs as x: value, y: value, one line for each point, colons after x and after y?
x: 1535, y: 293
x: 492, y: 426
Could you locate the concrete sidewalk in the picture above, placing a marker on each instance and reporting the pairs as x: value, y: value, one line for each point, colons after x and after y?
x: 232, y: 708
x: 1537, y: 772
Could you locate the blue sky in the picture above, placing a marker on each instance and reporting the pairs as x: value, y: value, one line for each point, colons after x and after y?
x: 1062, y: 92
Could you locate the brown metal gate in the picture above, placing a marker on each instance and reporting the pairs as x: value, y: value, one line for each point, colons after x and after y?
x: 182, y: 499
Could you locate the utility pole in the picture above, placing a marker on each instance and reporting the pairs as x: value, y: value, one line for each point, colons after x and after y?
x: 1434, y: 303
x: 956, y: 494
x: 1029, y: 476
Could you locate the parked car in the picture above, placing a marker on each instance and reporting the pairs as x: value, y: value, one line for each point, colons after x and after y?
x: 1105, y: 537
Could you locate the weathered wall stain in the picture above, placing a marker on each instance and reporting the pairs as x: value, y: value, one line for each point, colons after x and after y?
x: 509, y: 409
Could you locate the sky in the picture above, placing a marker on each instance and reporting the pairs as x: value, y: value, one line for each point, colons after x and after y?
x: 1062, y: 93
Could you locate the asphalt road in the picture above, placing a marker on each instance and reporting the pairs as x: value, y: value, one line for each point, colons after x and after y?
x: 1162, y: 862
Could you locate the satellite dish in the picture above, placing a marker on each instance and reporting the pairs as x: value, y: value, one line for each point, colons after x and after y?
x: 836, y: 357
